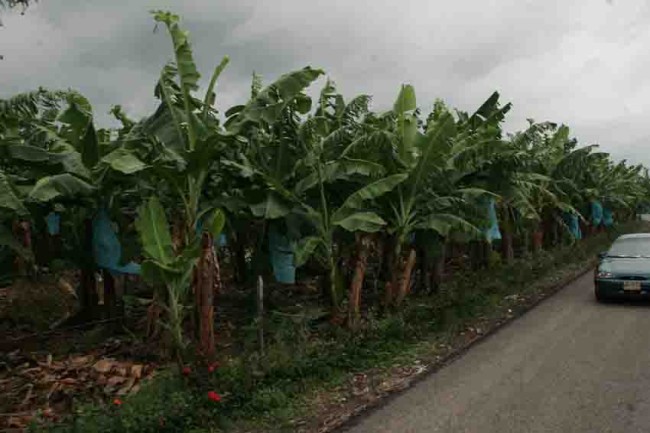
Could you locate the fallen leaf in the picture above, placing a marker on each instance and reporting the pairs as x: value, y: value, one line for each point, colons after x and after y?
x: 127, y: 387
x: 68, y: 381
x: 17, y: 422
x: 136, y: 370
x: 103, y: 365
x: 113, y: 381
x: 80, y: 361
x: 52, y: 390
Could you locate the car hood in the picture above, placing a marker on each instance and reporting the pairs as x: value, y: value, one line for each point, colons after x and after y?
x: 639, y: 267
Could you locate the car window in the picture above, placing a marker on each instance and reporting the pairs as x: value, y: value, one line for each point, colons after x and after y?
x: 630, y: 247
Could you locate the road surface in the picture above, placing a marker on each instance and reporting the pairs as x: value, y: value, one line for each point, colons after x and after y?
x: 569, y: 365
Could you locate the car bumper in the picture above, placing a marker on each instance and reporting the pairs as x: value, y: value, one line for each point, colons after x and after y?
x: 613, y: 288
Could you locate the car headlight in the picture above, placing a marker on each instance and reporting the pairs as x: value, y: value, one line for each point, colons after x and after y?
x: 604, y: 274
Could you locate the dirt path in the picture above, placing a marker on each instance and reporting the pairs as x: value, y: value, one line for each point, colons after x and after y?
x: 570, y: 365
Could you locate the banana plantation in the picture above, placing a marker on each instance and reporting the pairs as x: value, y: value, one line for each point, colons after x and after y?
x: 368, y: 209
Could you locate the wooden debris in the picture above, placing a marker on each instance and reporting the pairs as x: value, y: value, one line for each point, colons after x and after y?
x: 48, y: 386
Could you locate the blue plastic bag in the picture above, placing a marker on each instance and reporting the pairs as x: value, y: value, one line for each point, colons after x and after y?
x: 573, y: 222
x: 281, y: 253
x: 106, y: 246
x: 222, y: 240
x: 596, y: 213
x: 493, y: 232
x: 608, y: 218
x: 53, y: 221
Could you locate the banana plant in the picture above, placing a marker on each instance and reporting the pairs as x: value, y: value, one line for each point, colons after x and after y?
x: 191, y: 141
x: 433, y: 196
x: 309, y: 179
x: 58, y: 158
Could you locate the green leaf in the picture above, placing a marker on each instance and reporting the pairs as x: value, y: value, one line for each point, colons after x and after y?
x: 24, y: 152
x: 272, y: 207
x: 210, y: 95
x: 405, y: 100
x: 189, y: 75
x: 81, y: 132
x: 269, y: 103
x: 7, y: 239
x: 341, y: 170
x: 216, y: 223
x: 89, y: 147
x: 368, y: 222
x: 61, y: 185
x: 442, y: 224
x: 154, y: 232
x: 124, y: 161
x: 8, y: 198
x: 368, y: 192
x: 304, y: 249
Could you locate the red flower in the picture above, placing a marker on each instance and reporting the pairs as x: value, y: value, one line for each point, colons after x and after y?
x: 117, y: 402
x: 186, y: 371
x: 214, y: 396
x: 212, y: 367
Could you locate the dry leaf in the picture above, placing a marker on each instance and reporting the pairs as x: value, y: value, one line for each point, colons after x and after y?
x: 80, y: 361
x: 115, y: 380
x: 52, y: 390
x: 136, y: 370
x: 17, y: 422
x: 103, y: 366
x: 68, y: 381
x: 127, y: 387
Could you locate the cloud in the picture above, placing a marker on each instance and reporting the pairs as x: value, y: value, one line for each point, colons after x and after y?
x: 582, y: 63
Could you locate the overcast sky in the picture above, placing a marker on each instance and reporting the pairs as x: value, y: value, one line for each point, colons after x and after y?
x: 581, y: 62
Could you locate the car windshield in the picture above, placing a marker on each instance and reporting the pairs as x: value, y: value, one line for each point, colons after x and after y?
x: 633, y: 247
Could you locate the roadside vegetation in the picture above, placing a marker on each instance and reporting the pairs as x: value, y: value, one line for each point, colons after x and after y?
x: 203, y: 268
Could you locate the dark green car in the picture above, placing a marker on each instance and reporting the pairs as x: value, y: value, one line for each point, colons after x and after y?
x: 624, y: 270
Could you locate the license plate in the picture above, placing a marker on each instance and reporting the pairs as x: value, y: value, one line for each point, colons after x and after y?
x: 632, y: 286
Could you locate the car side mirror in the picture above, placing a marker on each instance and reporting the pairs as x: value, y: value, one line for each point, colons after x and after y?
x: 602, y: 255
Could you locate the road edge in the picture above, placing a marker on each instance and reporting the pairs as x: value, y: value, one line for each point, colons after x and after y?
x: 366, y: 410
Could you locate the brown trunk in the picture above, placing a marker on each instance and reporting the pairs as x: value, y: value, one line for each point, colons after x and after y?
x: 239, y: 250
x: 508, y: 251
x: 438, y: 270
x: 217, y: 284
x: 110, y: 298
x: 405, y: 280
x: 357, y: 279
x: 22, y: 232
x: 538, y: 240
x: 204, y: 296
x: 389, y: 270
x: 178, y: 235
x: 89, y: 298
x: 153, y: 316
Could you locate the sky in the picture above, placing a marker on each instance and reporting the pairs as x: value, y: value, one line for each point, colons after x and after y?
x: 584, y: 63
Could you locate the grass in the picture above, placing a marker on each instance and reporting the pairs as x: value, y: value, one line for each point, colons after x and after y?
x: 305, y: 359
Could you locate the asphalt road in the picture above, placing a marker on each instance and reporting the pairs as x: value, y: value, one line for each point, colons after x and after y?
x: 569, y: 365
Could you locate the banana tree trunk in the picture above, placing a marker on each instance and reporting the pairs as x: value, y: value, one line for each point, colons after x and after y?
x: 438, y: 271
x: 154, y: 312
x: 507, y: 251
x: 22, y: 232
x: 239, y: 250
x: 405, y: 279
x: 538, y: 239
x: 204, y: 295
x: 89, y: 298
x: 390, y: 269
x: 358, y: 277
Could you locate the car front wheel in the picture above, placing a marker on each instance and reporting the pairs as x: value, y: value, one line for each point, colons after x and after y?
x: 600, y: 297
